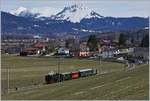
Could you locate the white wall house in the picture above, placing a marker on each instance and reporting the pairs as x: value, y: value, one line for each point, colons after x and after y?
x: 142, y: 52
x: 109, y: 53
x: 63, y: 50
x: 123, y: 51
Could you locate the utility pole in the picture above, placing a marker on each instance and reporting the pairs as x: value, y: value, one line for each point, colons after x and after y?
x: 99, y: 58
x: 58, y: 68
x: 99, y: 61
x: 58, y: 64
x: 7, y: 79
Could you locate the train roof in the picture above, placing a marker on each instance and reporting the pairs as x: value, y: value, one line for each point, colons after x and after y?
x: 66, y: 73
x: 83, y: 70
x: 51, y: 73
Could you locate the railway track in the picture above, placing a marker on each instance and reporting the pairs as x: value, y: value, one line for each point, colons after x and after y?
x: 42, y: 84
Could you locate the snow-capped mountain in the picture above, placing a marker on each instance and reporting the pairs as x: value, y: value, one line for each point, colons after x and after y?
x: 35, y: 12
x: 75, y: 19
x: 18, y: 11
x: 76, y: 13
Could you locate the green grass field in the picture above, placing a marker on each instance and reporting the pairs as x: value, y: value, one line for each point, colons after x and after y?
x: 118, y: 84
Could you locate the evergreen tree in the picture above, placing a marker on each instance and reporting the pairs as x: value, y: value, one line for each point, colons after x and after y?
x: 92, y: 43
x: 70, y: 43
x: 122, y: 40
x: 145, y: 41
x: 132, y: 40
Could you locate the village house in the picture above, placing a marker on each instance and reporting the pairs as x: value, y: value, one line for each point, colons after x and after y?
x: 115, y: 52
x: 75, y: 50
x: 108, y: 53
x: 124, y: 52
x: 40, y: 46
x: 37, y: 48
x: 80, y: 50
x: 84, y: 50
x: 31, y: 51
x: 63, y: 51
x: 141, y: 53
x: 105, y: 42
x: 13, y: 50
x: 84, y: 53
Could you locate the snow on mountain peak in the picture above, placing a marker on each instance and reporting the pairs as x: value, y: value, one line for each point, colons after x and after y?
x: 76, y: 13
x: 18, y: 10
x: 36, y: 12
x: 44, y: 11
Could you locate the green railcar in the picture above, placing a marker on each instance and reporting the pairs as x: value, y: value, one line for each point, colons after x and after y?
x: 67, y: 76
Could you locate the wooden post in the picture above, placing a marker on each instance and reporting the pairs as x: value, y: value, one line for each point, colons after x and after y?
x: 99, y: 64
x: 7, y: 79
x: 59, y: 68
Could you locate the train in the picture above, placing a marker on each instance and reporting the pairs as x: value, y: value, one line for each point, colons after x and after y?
x: 59, y: 77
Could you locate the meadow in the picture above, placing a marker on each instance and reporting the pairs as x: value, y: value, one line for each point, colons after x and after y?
x: 112, y: 82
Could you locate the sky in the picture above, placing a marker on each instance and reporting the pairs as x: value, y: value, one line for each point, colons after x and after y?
x: 115, y: 8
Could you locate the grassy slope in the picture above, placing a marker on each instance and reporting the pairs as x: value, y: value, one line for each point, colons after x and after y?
x: 116, y: 85
x: 25, y: 71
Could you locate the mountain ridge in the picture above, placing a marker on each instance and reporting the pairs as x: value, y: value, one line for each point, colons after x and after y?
x: 85, y: 25
x: 74, y: 13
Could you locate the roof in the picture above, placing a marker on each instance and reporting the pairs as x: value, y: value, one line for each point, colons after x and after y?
x: 51, y: 73
x: 40, y: 44
x: 63, y: 48
x: 74, y: 72
x: 141, y: 49
x: 30, y: 49
x: 66, y: 73
x: 83, y: 70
